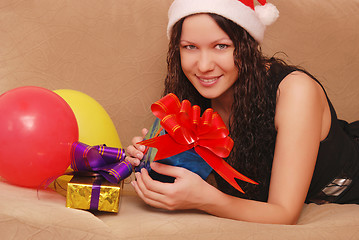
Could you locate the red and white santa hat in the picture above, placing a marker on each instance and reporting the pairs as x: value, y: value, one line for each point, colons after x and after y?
x: 252, y: 18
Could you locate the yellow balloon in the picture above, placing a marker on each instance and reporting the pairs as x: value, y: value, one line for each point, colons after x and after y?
x: 95, y: 125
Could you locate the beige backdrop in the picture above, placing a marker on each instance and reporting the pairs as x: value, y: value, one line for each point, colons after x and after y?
x: 114, y: 50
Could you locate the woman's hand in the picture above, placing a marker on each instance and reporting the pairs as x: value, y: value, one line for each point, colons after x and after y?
x: 134, y: 152
x: 187, y: 192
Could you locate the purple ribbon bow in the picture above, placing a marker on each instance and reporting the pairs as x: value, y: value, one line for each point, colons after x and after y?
x: 107, y: 161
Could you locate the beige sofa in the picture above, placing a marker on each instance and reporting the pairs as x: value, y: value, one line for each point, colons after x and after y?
x: 115, y: 52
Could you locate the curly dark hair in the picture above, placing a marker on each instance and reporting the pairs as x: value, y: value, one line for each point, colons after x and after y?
x: 251, y: 123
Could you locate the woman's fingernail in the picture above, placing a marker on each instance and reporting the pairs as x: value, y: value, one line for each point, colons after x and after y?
x: 138, y: 155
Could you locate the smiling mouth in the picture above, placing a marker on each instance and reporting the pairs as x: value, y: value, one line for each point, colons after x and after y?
x: 208, y: 79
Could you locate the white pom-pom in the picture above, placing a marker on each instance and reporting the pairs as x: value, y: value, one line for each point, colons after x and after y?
x: 267, y: 13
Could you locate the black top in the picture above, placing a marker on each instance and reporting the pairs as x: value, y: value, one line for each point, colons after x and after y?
x: 336, y: 173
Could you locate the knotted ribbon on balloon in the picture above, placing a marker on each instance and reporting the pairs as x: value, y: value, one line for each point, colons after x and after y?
x: 187, y: 129
x: 108, y: 162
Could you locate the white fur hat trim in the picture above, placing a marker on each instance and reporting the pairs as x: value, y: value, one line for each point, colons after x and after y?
x: 254, y: 22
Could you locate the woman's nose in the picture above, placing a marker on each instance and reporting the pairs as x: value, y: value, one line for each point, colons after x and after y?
x: 205, y: 62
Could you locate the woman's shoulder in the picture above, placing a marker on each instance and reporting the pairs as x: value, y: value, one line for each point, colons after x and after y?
x: 301, y: 86
x: 303, y: 97
x: 300, y: 82
x: 293, y: 79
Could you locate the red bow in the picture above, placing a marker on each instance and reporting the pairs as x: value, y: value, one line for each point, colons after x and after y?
x: 186, y: 129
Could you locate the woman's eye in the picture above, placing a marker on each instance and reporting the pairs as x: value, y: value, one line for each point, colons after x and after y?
x: 189, y: 47
x: 221, y: 46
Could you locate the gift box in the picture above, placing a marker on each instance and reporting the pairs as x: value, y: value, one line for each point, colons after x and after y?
x: 198, y: 143
x: 188, y: 159
x: 98, y: 174
x: 93, y: 193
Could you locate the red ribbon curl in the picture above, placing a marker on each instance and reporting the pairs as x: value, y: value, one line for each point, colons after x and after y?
x: 186, y: 129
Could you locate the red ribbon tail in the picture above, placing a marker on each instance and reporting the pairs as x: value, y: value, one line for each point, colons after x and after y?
x: 223, y: 168
x: 166, y: 146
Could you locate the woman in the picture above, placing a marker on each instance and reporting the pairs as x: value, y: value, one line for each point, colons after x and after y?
x: 286, y: 134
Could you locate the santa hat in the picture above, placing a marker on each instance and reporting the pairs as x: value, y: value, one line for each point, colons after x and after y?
x: 252, y: 18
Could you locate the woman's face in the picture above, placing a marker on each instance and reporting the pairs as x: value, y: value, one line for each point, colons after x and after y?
x: 207, y: 56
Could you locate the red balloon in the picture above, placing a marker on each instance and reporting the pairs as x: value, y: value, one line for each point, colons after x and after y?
x: 37, y: 129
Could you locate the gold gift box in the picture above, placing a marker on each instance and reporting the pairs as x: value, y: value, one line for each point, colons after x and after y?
x: 79, y: 193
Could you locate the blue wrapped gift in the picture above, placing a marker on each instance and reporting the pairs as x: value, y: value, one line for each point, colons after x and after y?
x: 188, y: 159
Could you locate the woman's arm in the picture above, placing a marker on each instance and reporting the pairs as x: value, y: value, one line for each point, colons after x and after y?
x: 300, y: 113
x: 302, y: 120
